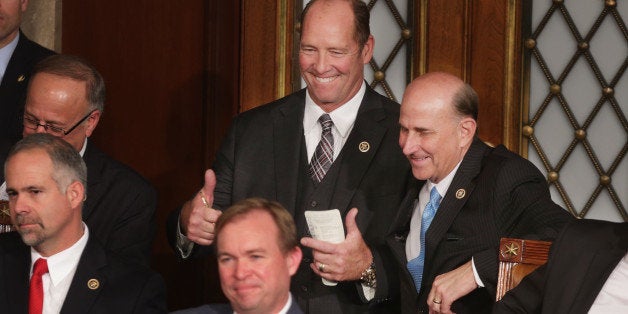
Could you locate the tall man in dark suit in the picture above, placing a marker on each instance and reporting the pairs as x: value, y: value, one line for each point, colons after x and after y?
x: 587, y: 272
x: 66, y: 98
x: 68, y: 269
x: 18, y: 55
x: 472, y: 193
x: 271, y: 152
x: 258, y: 251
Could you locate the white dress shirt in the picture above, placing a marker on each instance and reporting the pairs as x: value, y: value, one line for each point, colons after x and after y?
x: 61, y: 269
x: 5, y: 55
x: 343, y: 118
x: 613, y: 298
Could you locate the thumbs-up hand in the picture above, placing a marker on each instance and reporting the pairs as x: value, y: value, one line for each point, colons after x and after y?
x: 342, y: 261
x: 198, y: 218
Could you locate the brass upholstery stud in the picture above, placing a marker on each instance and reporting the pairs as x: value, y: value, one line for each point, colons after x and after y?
x: 608, y: 91
x: 528, y: 130
x: 581, y: 134
x: 605, y: 180
x: 583, y: 45
x: 530, y: 43
x: 406, y: 33
x: 610, y: 3
x: 555, y: 88
x: 552, y: 176
x: 379, y: 76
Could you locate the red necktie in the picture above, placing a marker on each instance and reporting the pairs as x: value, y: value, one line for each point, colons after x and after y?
x: 36, y: 298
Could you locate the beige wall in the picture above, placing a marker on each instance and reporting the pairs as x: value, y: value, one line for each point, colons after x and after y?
x: 42, y: 23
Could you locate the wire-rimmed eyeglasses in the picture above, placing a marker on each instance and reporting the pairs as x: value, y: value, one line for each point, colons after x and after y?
x: 33, y: 124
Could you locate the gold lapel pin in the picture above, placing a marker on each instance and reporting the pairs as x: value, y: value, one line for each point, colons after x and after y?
x: 93, y: 284
x: 460, y: 193
x: 21, y: 78
x: 364, y: 146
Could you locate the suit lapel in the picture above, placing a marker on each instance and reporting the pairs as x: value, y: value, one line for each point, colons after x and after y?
x: 603, y: 262
x: 354, y: 161
x: 451, y: 204
x: 17, y: 272
x: 288, y: 137
x: 398, y: 234
x: 88, y: 281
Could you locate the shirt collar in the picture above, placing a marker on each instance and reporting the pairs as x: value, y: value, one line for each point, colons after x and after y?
x: 444, y: 184
x: 343, y: 117
x: 82, y: 151
x: 5, y: 55
x: 60, y: 264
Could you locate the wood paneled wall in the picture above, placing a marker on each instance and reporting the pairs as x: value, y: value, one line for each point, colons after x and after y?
x: 172, y: 75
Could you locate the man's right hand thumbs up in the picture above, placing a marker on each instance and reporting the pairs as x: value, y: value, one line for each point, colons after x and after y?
x: 198, y: 218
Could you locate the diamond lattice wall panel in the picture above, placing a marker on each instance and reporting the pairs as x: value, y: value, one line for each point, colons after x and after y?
x: 576, y: 125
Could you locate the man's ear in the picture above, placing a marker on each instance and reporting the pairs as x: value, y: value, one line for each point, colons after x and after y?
x: 75, y: 194
x: 467, y: 128
x: 367, y: 50
x: 293, y: 259
x: 92, y: 122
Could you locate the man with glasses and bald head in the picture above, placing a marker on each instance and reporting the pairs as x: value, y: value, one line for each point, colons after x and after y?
x: 65, y: 98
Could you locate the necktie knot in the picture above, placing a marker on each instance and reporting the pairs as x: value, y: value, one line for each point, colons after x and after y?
x: 325, y: 121
x: 40, y: 267
x: 435, y: 197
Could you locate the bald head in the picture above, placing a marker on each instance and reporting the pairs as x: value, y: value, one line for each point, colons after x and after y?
x: 437, y: 124
x: 446, y: 89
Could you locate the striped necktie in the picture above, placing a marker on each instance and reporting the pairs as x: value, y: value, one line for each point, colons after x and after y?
x: 324, y: 154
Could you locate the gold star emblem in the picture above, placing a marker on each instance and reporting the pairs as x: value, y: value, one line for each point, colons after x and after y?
x: 512, y: 249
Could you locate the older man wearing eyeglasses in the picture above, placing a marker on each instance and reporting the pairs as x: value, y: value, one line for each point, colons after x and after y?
x: 65, y: 98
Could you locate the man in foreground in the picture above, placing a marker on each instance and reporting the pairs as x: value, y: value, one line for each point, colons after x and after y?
x: 258, y: 251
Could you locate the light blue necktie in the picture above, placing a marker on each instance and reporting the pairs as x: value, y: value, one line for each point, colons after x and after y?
x: 415, y: 266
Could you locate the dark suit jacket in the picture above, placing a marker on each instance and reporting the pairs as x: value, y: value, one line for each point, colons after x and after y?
x: 581, y: 259
x: 226, y: 309
x: 504, y: 195
x: 120, y: 206
x: 13, y: 86
x: 124, y: 287
x: 261, y: 157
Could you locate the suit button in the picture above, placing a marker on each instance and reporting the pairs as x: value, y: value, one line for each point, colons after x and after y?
x: 304, y: 288
x: 313, y: 203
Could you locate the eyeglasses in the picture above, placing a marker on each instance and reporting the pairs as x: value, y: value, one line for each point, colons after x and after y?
x: 33, y: 124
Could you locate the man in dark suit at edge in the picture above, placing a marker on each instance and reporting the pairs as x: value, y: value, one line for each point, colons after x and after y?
x: 586, y: 272
x: 65, y: 98
x: 473, y: 195
x: 68, y: 269
x: 269, y: 153
x: 18, y: 55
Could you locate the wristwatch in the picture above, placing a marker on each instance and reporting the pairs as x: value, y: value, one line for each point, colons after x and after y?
x: 368, y: 276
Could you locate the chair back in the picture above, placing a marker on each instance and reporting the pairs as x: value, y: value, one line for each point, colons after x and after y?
x: 518, y: 258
